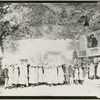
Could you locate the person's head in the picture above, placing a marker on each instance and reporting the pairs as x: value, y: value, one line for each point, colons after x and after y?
x: 6, y: 22
x: 91, y: 62
x: 92, y: 35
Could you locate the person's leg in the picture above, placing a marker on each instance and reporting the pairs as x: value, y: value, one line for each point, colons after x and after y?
x: 6, y: 83
x: 82, y: 81
x: 27, y: 83
x: 10, y: 84
x: 77, y: 81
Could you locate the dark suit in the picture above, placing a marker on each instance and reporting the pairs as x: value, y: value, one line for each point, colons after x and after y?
x: 94, y: 42
x: 6, y: 72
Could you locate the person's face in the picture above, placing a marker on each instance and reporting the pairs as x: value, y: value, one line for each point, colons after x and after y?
x: 92, y: 36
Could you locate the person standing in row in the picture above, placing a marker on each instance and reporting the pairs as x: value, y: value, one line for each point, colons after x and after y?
x: 54, y: 75
x: 49, y: 75
x: 23, y: 77
x: 6, y: 76
x: 76, y: 74
x: 71, y: 74
x: 60, y: 75
x: 45, y: 74
x: 16, y: 75
x: 67, y: 80
x: 98, y: 70
x: 11, y: 75
x: 81, y: 78
x: 33, y: 74
x: 1, y: 73
x: 91, y: 70
x: 40, y: 74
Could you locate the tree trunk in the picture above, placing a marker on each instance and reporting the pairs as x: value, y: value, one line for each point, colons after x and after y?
x: 1, y: 45
x: 98, y: 5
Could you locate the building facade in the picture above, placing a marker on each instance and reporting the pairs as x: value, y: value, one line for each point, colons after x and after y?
x: 86, y: 51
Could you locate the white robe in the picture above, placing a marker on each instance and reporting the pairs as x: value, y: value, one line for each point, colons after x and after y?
x: 10, y: 75
x: 55, y: 76
x: 33, y: 75
x: 16, y: 74
x: 80, y: 74
x: 76, y: 74
x: 91, y: 70
x: 40, y: 75
x: 49, y: 80
x: 98, y: 70
x: 23, y: 75
x: 45, y: 75
x: 60, y: 75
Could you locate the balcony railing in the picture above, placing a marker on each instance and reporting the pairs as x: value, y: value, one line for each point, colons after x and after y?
x: 89, y: 52
x: 93, y: 51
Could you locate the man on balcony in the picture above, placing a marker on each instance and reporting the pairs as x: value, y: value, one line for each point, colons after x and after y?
x: 94, y: 41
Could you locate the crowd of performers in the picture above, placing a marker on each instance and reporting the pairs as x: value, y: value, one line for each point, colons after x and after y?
x: 24, y: 75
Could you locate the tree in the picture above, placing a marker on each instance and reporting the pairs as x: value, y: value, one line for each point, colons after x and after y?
x: 5, y: 28
x: 47, y: 20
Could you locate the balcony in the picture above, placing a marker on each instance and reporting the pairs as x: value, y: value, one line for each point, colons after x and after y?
x: 93, y: 51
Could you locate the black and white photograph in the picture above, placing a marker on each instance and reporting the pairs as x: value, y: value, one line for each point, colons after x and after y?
x: 50, y: 49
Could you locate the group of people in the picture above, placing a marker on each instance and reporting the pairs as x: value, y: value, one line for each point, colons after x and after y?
x: 24, y: 75
x: 94, y: 70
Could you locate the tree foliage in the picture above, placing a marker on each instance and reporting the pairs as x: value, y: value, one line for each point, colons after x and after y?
x: 47, y: 20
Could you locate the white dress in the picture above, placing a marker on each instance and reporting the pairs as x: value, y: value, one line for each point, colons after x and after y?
x: 10, y: 75
x: 45, y: 75
x: 49, y: 75
x: 98, y: 70
x: 33, y: 75
x: 23, y: 75
x: 55, y: 75
x: 80, y: 74
x: 40, y: 75
x: 16, y: 74
x: 60, y: 75
x: 91, y: 70
x: 76, y: 74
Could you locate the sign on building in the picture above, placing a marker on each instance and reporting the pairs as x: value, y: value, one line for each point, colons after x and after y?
x: 93, y: 51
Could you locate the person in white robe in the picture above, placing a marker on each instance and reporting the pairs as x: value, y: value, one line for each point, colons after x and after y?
x: 53, y: 78
x: 91, y: 70
x: 60, y: 75
x: 67, y: 78
x: 49, y: 75
x: 23, y: 77
x: 81, y: 78
x: 45, y: 75
x: 76, y: 75
x: 54, y: 75
x: 33, y: 75
x: 16, y: 75
x: 40, y: 74
x: 71, y: 74
x: 98, y: 70
x: 11, y: 75
x: 86, y: 77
